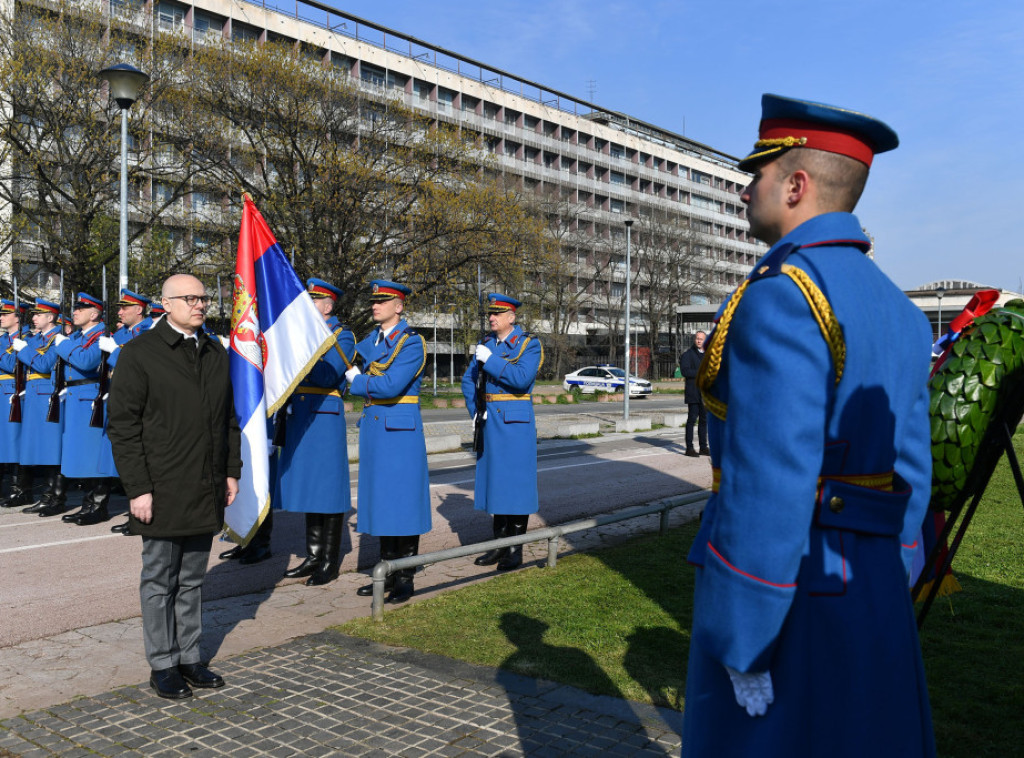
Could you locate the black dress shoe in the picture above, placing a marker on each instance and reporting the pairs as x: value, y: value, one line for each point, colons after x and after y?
x: 37, y: 506
x: 691, y: 453
x: 52, y: 509
x: 200, y: 676
x: 705, y: 451
x: 306, y: 568
x: 367, y: 589
x: 230, y: 555
x: 255, y: 555
x: 89, y: 518
x: 169, y: 683
x: 70, y: 518
x: 122, y: 528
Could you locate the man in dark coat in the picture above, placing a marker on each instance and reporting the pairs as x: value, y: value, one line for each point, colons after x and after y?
x: 689, y: 363
x: 176, y: 443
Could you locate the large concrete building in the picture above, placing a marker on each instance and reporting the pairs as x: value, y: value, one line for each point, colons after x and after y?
x: 608, y: 166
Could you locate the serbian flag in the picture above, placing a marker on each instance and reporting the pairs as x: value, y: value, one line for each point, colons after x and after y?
x: 277, y: 335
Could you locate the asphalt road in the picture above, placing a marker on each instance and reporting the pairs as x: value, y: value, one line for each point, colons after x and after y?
x: 57, y: 577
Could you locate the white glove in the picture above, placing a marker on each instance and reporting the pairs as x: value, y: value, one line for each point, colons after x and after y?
x: 477, y: 414
x: 59, y: 338
x: 483, y: 353
x: 225, y: 341
x: 352, y: 373
x: 107, y: 344
x: 753, y: 691
x: 19, y: 343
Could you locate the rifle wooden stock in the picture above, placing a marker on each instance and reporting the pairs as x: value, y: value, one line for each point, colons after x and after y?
x: 14, y: 417
x: 96, y: 418
x: 53, y: 409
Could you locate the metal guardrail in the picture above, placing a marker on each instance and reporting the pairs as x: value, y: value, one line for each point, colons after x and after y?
x: 552, y: 534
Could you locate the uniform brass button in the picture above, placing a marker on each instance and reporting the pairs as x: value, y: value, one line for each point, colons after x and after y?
x: 835, y: 504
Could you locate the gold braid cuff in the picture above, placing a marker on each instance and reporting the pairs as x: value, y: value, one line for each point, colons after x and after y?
x: 823, y: 314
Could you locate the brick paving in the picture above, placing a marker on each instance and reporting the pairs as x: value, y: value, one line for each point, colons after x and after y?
x: 327, y: 694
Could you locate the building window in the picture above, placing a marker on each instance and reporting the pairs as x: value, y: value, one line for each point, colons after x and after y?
x: 169, y: 16
x: 618, y: 206
x: 617, y: 177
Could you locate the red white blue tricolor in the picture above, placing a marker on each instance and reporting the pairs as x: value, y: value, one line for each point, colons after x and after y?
x: 277, y: 335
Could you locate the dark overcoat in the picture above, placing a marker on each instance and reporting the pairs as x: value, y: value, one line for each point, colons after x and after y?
x: 689, y: 363
x: 173, y: 430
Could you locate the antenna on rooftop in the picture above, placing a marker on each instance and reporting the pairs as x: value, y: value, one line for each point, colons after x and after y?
x: 591, y: 89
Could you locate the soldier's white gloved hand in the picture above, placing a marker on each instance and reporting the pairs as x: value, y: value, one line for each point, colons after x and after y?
x: 107, y: 344
x: 19, y: 343
x: 352, y: 373
x: 225, y: 341
x: 59, y: 338
x: 477, y: 414
x: 483, y: 353
x: 753, y: 691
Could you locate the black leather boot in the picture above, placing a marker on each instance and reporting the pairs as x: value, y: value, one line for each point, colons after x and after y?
x: 388, y: 552
x: 97, y: 512
x: 258, y: 549
x: 87, y: 505
x: 403, y: 589
x: 58, y: 496
x: 47, y: 473
x: 21, y: 488
x: 514, y: 558
x: 493, y: 556
x: 330, y: 566
x: 314, y: 547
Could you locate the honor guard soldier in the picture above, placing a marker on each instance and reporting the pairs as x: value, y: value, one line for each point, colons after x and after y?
x: 131, y: 314
x: 506, y: 468
x: 86, y: 449
x: 312, y: 468
x: 804, y: 641
x: 40, y: 438
x: 394, y: 485
x: 10, y: 427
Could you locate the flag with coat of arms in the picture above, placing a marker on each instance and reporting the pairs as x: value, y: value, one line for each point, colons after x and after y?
x: 277, y: 335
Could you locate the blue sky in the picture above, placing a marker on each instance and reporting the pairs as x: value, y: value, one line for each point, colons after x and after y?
x: 947, y: 76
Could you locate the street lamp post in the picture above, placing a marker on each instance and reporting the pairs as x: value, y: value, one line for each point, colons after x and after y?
x: 939, y: 292
x: 125, y: 84
x: 629, y: 322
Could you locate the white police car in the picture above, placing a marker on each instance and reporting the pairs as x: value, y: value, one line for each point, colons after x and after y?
x: 591, y: 379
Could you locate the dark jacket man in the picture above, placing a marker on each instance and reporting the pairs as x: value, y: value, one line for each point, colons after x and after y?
x: 177, y: 447
x: 696, y: 413
x: 173, y: 430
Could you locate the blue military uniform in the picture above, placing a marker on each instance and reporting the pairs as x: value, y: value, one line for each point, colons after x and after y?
x: 10, y: 431
x: 820, y: 442
x: 86, y: 449
x: 312, y: 467
x: 41, y: 439
x: 121, y: 336
x: 394, y: 485
x: 506, y: 468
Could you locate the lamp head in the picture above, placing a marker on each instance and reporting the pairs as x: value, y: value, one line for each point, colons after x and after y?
x: 126, y: 82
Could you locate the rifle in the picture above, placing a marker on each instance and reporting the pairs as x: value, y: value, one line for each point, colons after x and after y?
x: 59, y: 383
x: 481, y: 380
x: 14, y: 417
x: 96, y: 417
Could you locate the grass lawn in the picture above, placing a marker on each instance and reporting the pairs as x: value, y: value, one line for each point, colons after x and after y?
x: 616, y: 622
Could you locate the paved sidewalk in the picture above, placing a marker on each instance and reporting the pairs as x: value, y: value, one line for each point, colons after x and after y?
x: 295, y: 690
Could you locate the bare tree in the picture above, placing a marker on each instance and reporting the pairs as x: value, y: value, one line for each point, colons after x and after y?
x: 353, y: 183
x: 60, y: 145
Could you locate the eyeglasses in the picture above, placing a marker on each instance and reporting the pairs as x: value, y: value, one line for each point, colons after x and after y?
x: 192, y: 300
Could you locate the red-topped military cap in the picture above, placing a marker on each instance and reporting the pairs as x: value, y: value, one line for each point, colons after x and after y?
x: 788, y: 123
